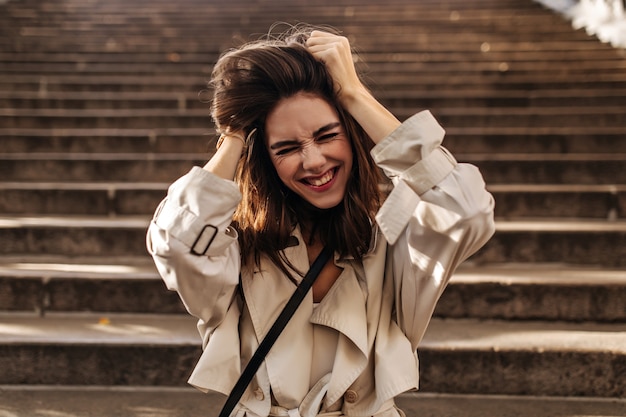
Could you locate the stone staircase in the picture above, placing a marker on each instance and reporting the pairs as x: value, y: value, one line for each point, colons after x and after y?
x: 101, y: 108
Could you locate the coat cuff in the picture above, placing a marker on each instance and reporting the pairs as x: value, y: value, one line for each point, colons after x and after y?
x: 396, y: 212
x: 411, y: 142
x: 199, y: 223
x: 413, y: 158
x: 430, y: 171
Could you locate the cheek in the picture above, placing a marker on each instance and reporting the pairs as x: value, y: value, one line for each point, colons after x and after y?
x: 284, y: 168
x: 346, y: 151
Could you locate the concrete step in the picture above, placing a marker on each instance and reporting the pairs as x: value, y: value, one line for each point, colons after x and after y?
x: 133, y: 20
x: 429, y: 17
x: 434, y: 100
x: 165, y: 9
x: 530, y: 358
x: 592, y: 242
x: 107, y: 100
x: 73, y: 235
x: 457, y: 117
x: 122, y: 198
x: 555, y: 358
x: 553, y: 292
x: 83, y: 349
x: 89, y: 140
x: 107, y: 119
x: 409, y: 21
x: 488, y: 97
x: 110, y: 17
x: 502, y: 79
x: 81, y: 198
x: 600, y: 243
x: 534, y: 139
x: 101, y: 83
x: 115, y: 401
x: 97, y: 167
x: 161, y: 68
x: 184, y: 48
x: 514, y: 168
x: 466, y: 139
x: 46, y: 284
x: 401, y: 36
x: 564, y: 201
x: 419, y: 34
x: 549, y: 168
x: 377, y: 58
x: 460, y: 63
x: 370, y: 10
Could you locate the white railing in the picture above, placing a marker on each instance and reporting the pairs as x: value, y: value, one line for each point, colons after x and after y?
x: 605, y: 19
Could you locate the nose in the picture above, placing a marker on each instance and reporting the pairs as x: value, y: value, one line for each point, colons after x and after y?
x: 313, y: 158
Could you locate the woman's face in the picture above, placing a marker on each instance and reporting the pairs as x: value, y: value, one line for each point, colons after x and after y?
x: 309, y: 149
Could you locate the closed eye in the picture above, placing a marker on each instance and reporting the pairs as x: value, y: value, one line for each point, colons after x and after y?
x: 286, y: 151
x: 328, y: 136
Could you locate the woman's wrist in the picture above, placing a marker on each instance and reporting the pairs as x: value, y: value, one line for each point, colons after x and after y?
x: 224, y: 162
x: 374, y: 118
x: 229, y: 137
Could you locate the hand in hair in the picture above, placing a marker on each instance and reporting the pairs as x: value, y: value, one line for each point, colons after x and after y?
x: 335, y: 52
x: 229, y: 148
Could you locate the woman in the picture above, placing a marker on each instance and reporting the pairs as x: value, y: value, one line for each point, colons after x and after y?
x: 296, y: 169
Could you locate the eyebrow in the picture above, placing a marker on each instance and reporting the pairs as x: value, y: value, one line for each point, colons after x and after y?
x: 318, y: 132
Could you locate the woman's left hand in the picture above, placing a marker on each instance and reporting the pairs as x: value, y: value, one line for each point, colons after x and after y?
x: 335, y: 52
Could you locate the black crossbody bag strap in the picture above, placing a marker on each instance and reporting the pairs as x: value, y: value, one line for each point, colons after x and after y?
x: 271, y: 336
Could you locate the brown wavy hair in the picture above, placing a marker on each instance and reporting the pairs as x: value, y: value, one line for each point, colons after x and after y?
x: 248, y: 83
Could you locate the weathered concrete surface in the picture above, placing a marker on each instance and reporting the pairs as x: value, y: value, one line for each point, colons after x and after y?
x: 457, y: 356
x: 574, y: 242
x: 132, y: 284
x: 186, y: 402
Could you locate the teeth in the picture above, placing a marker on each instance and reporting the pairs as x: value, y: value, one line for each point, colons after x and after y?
x: 324, y: 179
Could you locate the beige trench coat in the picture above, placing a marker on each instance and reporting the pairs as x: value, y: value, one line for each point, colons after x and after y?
x: 437, y: 215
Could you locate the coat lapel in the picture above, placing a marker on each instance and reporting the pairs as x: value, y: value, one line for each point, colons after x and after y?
x: 352, y: 307
x: 343, y: 309
x: 266, y: 294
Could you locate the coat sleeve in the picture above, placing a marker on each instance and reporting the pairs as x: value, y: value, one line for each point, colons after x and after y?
x: 437, y: 215
x: 194, y: 248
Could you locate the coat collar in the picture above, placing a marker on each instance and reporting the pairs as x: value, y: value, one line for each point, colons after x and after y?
x: 343, y: 309
x: 351, y: 307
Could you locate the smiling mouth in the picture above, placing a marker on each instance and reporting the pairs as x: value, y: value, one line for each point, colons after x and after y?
x: 321, y: 180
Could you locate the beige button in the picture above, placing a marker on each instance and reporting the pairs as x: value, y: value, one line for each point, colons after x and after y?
x: 258, y: 394
x: 351, y: 396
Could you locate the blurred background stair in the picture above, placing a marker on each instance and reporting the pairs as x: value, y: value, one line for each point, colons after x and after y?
x: 103, y: 105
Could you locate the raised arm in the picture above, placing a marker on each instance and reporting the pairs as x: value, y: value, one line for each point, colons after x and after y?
x: 335, y: 52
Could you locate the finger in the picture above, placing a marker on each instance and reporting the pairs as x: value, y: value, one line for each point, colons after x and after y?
x: 314, y: 49
x: 318, y: 37
x: 320, y: 33
x: 325, y: 54
x: 334, y: 49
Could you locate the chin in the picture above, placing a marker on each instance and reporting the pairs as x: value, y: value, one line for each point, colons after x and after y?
x: 320, y: 203
x: 325, y: 204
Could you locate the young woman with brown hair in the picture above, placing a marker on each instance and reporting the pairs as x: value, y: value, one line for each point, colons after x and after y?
x: 298, y: 169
